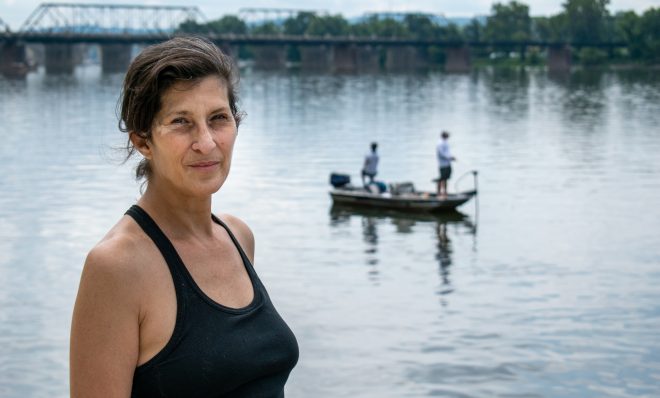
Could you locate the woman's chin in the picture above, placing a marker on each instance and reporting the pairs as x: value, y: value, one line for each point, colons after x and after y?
x: 211, y: 187
x: 201, y: 189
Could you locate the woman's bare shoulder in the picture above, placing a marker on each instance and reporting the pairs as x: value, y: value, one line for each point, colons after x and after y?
x: 242, y: 232
x: 118, y: 253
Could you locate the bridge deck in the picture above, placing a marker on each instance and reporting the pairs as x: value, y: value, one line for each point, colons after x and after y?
x: 128, y: 38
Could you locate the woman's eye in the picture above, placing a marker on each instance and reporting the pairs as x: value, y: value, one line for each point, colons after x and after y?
x: 219, y: 117
x: 179, y: 120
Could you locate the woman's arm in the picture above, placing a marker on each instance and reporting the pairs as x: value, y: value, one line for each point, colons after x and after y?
x: 105, y: 326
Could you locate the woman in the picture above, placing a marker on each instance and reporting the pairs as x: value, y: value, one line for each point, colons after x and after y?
x: 169, y: 304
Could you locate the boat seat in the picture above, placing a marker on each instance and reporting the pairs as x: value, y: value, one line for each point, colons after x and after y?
x: 400, y: 188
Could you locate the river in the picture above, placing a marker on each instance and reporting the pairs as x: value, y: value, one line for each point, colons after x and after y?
x: 548, y: 285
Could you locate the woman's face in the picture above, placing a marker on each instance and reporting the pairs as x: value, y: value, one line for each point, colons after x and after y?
x: 192, y: 138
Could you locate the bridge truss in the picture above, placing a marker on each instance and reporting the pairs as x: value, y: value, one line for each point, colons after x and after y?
x: 108, y: 18
x: 4, y: 27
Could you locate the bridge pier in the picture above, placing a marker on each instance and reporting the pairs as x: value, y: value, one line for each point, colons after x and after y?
x: 405, y: 58
x: 59, y: 59
x: 115, y: 57
x: 368, y: 58
x: 269, y: 57
x: 457, y: 59
x: 13, y: 63
x: 351, y: 57
x: 316, y: 57
x: 559, y: 58
x: 344, y: 57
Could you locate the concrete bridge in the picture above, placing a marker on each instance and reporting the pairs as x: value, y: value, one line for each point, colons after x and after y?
x: 116, y: 28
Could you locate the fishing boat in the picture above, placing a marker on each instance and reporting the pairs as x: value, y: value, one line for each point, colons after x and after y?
x: 398, y: 196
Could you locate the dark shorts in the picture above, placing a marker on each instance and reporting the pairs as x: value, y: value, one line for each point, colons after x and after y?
x: 445, y: 173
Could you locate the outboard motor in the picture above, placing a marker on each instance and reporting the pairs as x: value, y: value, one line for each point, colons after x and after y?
x: 338, y: 180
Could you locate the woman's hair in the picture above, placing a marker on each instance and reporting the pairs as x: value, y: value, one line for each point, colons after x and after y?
x: 156, y: 69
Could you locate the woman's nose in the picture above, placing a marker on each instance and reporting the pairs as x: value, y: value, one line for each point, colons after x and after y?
x: 204, y: 139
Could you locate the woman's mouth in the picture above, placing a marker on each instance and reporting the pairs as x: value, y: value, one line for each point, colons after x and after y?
x: 205, y: 165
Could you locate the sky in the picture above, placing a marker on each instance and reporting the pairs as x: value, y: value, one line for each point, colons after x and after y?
x: 15, y: 12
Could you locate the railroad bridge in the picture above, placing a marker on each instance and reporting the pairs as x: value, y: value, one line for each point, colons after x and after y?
x: 62, y: 27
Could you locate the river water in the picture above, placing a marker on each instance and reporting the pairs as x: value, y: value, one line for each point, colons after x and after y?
x: 547, y: 286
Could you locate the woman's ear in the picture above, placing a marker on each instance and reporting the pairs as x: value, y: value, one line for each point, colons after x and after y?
x: 141, y: 144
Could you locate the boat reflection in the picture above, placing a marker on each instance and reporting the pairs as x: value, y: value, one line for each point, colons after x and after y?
x: 444, y: 224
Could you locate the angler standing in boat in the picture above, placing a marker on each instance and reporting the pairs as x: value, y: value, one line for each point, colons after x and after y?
x: 370, y: 167
x: 444, y: 163
x: 169, y: 303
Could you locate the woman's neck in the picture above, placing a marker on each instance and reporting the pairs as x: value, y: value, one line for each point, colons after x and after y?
x: 179, y: 216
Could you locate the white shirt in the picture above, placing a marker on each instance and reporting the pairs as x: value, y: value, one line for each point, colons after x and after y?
x: 443, y: 153
x: 371, y: 163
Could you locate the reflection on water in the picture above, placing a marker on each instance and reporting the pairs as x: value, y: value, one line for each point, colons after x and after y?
x: 509, y: 101
x: 443, y: 224
x: 444, y: 257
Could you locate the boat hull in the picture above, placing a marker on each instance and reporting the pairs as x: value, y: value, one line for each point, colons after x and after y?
x: 419, y: 201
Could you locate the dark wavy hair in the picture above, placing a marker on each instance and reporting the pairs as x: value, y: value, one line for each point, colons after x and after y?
x: 156, y: 69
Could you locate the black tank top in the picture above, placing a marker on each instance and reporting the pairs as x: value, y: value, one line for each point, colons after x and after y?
x: 216, y: 351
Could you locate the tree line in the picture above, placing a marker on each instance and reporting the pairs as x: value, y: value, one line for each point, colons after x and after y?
x: 580, y: 21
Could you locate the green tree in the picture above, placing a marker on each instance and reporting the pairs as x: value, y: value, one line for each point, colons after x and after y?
x: 474, y: 31
x: 650, y: 32
x: 362, y: 29
x: 510, y: 22
x: 389, y: 27
x: 420, y: 26
x: 450, y: 32
x: 190, y: 26
x: 224, y: 25
x: 298, y: 25
x: 266, y: 28
x: 331, y: 25
x: 627, y: 28
x: 377, y: 27
x: 587, y: 20
x: 228, y: 24
x: 550, y: 29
